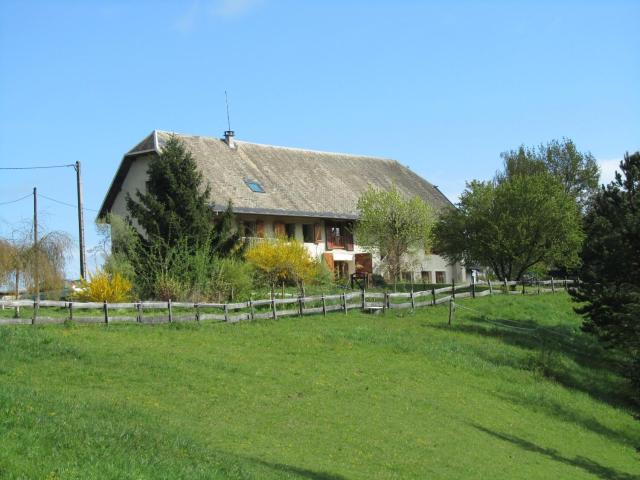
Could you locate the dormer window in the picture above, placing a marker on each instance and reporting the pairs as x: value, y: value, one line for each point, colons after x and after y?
x: 254, y: 186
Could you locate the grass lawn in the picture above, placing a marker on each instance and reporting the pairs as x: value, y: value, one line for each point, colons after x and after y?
x: 342, y: 397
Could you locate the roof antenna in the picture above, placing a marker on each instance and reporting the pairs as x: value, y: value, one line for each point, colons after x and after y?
x: 228, y: 135
x: 226, y: 99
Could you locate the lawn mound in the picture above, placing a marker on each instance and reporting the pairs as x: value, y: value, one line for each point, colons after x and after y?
x: 512, y: 389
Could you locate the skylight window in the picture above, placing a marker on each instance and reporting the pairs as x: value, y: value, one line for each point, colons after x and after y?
x: 254, y: 186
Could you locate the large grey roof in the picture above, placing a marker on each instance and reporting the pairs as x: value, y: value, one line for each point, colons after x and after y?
x: 296, y: 181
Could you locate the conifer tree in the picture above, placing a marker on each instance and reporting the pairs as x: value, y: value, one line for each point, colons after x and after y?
x: 174, y: 207
x: 610, y: 272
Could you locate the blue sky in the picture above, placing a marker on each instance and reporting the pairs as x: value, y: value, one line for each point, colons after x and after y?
x: 443, y: 87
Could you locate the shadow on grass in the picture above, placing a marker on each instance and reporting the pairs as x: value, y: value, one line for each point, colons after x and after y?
x: 560, y: 411
x: 596, y: 367
x: 301, y: 472
x: 583, y: 463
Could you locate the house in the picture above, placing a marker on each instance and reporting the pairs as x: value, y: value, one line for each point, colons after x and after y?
x: 304, y: 194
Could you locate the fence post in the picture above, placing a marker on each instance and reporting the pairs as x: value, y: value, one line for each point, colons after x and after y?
x: 565, y: 284
x: 538, y: 283
x: 300, y: 306
x: 553, y: 288
x: 450, y: 310
x: 105, y: 307
x: 453, y: 289
x: 251, y: 309
x: 170, y: 311
x: 523, y: 286
x: 506, y: 285
x: 344, y: 303
x: 433, y: 296
x: 71, y: 311
x: 385, y: 303
x: 413, y: 301
x: 473, y: 287
x: 490, y: 287
x: 273, y: 307
x: 324, y: 306
x: 138, y: 317
x: 36, y: 304
x: 226, y: 312
x: 364, y: 303
x: 197, y: 307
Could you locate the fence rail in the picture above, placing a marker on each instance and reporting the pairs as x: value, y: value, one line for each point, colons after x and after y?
x: 168, y: 312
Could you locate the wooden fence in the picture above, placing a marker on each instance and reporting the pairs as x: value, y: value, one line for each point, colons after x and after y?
x: 167, y: 312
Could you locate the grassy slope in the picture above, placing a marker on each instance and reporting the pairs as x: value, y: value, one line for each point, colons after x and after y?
x: 401, y: 396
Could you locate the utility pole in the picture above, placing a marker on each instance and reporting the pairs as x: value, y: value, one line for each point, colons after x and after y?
x: 36, y: 252
x: 83, y: 260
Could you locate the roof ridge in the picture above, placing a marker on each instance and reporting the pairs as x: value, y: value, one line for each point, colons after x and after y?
x: 298, y: 149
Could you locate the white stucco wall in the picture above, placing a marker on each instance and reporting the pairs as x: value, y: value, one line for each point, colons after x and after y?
x: 135, y: 180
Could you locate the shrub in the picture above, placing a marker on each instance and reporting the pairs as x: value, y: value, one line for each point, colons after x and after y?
x: 282, y: 260
x: 168, y: 287
x: 102, y: 287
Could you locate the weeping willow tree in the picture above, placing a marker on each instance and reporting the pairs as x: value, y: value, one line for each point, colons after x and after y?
x: 21, y: 262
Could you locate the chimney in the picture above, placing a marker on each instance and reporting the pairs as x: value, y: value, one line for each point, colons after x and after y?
x: 228, y: 137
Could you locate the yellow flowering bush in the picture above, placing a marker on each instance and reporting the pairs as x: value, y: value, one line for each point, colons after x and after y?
x: 102, y: 287
x: 281, y: 260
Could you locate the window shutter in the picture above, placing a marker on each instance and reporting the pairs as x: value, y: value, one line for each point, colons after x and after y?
x: 317, y: 233
x: 328, y: 258
x: 364, y: 263
x: 348, y: 240
x: 329, y: 236
x: 260, y: 229
x: 279, y: 229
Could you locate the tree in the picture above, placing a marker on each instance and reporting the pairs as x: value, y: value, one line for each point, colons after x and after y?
x: 610, y: 274
x: 513, y: 225
x: 19, y: 258
x: 393, y: 226
x: 177, y: 254
x: 577, y: 172
x: 175, y: 205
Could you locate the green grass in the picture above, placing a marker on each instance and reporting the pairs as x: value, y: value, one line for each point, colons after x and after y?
x: 342, y: 397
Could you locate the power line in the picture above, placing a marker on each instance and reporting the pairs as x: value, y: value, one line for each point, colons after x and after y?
x: 38, y: 167
x: 65, y: 203
x: 16, y: 200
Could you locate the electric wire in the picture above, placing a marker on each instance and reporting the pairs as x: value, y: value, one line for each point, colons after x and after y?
x: 16, y: 200
x: 37, y: 167
x: 65, y: 203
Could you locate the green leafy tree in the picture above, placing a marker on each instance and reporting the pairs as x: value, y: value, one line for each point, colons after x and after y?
x: 610, y: 272
x: 393, y: 226
x: 514, y: 225
x: 578, y: 172
x: 174, y: 207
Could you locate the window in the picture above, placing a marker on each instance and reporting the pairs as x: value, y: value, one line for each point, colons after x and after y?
x: 339, y: 236
x: 335, y: 238
x: 426, y: 276
x: 441, y: 277
x: 249, y: 229
x: 308, y: 233
x: 290, y: 230
x: 254, y: 186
